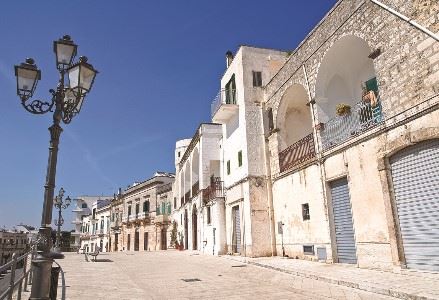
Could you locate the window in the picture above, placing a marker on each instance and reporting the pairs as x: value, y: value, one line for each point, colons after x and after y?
x: 240, y: 158
x: 208, y: 215
x: 129, y: 210
x: 84, y: 205
x: 178, y: 153
x: 230, y: 91
x: 270, y: 120
x: 137, y: 208
x: 181, y: 219
x: 308, y: 250
x: 257, y: 79
x: 102, y: 224
x: 228, y: 167
x: 305, y: 211
x: 175, y: 202
x: 146, y: 206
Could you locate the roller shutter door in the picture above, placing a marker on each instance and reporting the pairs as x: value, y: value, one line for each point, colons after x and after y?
x: 415, y: 176
x: 344, y: 229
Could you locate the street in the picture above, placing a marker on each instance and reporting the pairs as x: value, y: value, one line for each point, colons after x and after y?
x: 187, y: 275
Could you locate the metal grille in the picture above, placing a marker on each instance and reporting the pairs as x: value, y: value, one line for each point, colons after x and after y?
x: 298, y: 153
x: 361, y: 118
x: 344, y: 229
x: 236, y: 230
x: 415, y: 175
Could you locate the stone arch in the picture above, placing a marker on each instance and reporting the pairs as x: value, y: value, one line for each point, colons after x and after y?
x: 293, y: 117
x: 344, y: 69
x: 187, y: 179
x: 195, y: 171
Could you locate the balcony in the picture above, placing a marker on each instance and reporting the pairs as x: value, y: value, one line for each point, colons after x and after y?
x: 214, y: 191
x: 224, y: 106
x: 161, y: 219
x: 143, y: 215
x: 297, y: 154
x: 362, y: 117
x: 76, y: 222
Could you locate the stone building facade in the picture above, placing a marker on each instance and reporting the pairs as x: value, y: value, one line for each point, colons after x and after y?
x: 328, y: 152
x: 146, y: 208
x: 343, y: 186
x: 12, y: 242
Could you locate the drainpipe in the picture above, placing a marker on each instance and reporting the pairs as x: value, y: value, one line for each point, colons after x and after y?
x: 407, y: 19
x: 269, y: 193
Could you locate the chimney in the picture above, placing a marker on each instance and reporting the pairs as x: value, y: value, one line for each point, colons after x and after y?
x: 229, y: 58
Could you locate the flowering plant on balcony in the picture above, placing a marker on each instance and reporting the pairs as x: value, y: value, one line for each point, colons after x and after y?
x: 342, y: 109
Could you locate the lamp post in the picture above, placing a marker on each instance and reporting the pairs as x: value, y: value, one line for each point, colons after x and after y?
x: 66, y: 103
x: 60, y: 205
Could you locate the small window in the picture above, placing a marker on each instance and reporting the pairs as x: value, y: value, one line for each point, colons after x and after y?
x: 257, y: 79
x: 181, y: 219
x: 178, y: 153
x: 175, y: 202
x: 228, y: 167
x: 270, y: 120
x: 137, y: 208
x: 146, y: 206
x: 208, y: 215
x: 308, y: 250
x: 129, y: 210
x: 240, y: 158
x: 84, y: 205
x: 305, y: 211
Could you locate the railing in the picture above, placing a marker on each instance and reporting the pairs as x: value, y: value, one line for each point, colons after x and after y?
x: 224, y: 96
x: 214, y: 191
x: 298, y: 153
x: 361, y: 118
x: 17, y: 278
x: 195, y: 188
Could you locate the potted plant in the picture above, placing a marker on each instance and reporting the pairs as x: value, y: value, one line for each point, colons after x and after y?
x: 174, y: 242
x: 343, y: 109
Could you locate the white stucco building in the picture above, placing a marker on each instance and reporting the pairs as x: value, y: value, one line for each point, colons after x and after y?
x: 96, y: 227
x: 81, y: 209
x: 199, y: 208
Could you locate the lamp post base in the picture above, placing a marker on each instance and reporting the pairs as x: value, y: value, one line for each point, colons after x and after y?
x: 42, y: 267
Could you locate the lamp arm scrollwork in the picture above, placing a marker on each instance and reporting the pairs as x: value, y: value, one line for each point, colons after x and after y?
x: 37, y: 107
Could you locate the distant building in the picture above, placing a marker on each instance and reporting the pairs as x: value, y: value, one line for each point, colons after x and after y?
x: 81, y: 209
x: 140, y: 215
x: 95, y: 228
x: 12, y: 241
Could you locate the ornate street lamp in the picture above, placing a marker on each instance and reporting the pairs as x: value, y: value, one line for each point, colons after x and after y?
x: 60, y: 205
x: 66, y: 103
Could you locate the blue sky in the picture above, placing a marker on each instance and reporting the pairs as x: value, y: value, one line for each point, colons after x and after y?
x: 160, y: 65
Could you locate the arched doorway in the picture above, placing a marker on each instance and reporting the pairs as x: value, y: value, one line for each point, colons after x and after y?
x: 415, y: 178
x: 186, y: 231
x: 346, y: 74
x: 194, y: 228
x: 296, y: 141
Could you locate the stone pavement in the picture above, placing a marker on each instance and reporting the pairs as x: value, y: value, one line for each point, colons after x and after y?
x: 404, y: 284
x: 162, y: 275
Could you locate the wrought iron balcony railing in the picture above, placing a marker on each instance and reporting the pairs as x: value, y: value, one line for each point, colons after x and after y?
x: 298, y: 153
x: 363, y: 116
x: 224, y: 96
x: 214, y: 191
